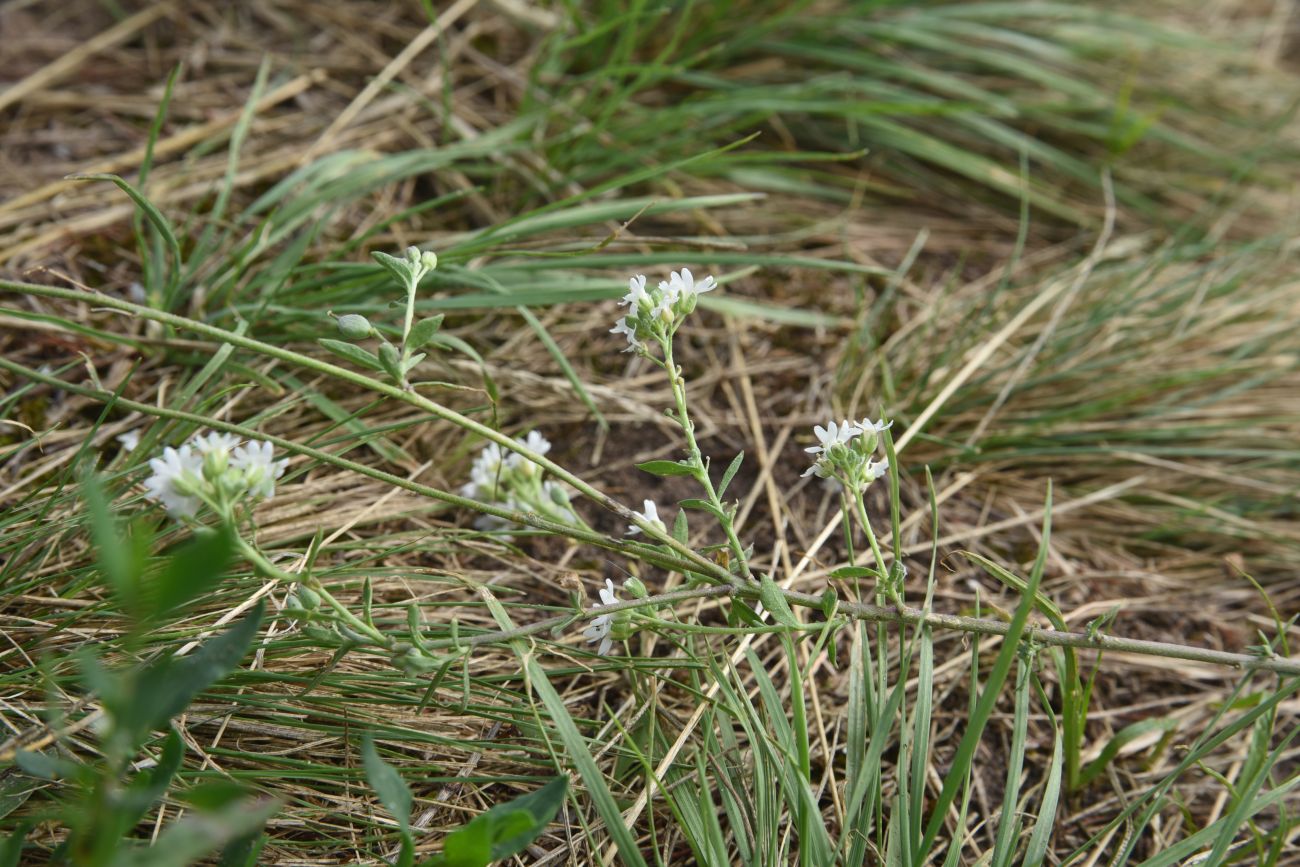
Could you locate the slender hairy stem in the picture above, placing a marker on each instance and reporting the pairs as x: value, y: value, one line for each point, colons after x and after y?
x: 697, y: 458
x: 345, y: 614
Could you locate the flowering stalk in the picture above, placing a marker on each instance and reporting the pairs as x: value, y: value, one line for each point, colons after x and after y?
x: 654, y: 315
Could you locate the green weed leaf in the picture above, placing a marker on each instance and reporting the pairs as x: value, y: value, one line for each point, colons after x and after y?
x: 504, y: 830
x: 355, y: 354
x: 393, y: 793
x: 424, y: 331
x: 730, y: 473
x: 667, y: 468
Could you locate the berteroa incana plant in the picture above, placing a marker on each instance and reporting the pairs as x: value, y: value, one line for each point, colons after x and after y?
x: 211, y: 483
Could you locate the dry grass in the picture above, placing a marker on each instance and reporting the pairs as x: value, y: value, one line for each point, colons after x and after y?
x: 1158, y: 388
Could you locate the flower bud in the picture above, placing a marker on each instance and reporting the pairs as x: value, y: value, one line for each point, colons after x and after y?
x: 558, y: 495
x: 635, y: 588
x: 306, y: 597
x: 429, y: 260
x: 413, y: 255
x: 354, y: 326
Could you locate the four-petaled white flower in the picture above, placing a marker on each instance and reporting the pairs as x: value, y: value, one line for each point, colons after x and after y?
x: 485, y: 473
x: 600, y: 626
x: 174, y: 477
x: 535, y: 442
x: 215, y: 442
x: 831, y: 435
x: 869, y: 426
x: 636, y: 294
x: 659, y: 311
x: 681, y: 286
x: 877, y: 469
x: 256, y: 461
x: 650, y: 512
x: 622, y: 327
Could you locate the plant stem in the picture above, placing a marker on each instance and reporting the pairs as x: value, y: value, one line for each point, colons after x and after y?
x: 697, y: 458
x: 344, y: 613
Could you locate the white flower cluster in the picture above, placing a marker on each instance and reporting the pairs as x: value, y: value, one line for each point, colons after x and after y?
x: 509, y: 480
x: 844, y: 452
x: 654, y: 314
x: 215, y: 468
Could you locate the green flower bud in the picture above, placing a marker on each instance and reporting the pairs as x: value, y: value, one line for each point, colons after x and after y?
x: 307, y: 597
x: 354, y: 326
x: 635, y: 588
x: 429, y: 260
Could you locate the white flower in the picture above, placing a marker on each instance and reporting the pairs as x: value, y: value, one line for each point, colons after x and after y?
x: 681, y: 286
x: 831, y: 435
x: 485, y: 473
x: 877, y: 469
x: 636, y: 295
x: 816, y: 470
x: 534, y: 442
x: 214, y: 443
x: 868, y: 426
x: 256, y: 461
x: 622, y: 327
x: 129, y: 440
x: 600, y: 626
x: 650, y: 512
x: 175, y: 472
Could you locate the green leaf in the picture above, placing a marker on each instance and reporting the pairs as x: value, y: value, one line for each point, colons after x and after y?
x: 11, y: 850
x: 15, y: 789
x: 667, y: 468
x: 704, y: 506
x: 424, y: 331
x: 851, y: 572
x: 167, y: 687
x: 774, y: 601
x: 355, y: 354
x: 147, y: 788
x: 40, y: 765
x: 190, y: 571
x: 388, y: 785
x: 1122, y: 738
x: 399, y: 268
x: 526, y: 817
x: 680, y: 529
x: 471, y: 846
x: 730, y: 474
x: 243, y: 851
x: 505, y: 829
x: 159, y: 222
x: 187, y: 841
x: 412, y: 362
x: 114, y: 558
x: 390, y: 360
